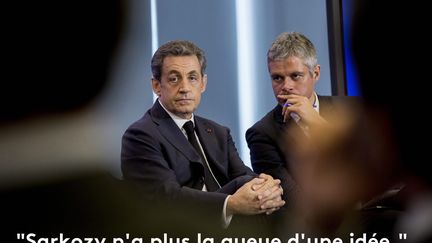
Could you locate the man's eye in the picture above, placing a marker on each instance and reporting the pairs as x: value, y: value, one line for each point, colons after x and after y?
x: 173, y: 79
x: 297, y: 76
x: 277, y: 78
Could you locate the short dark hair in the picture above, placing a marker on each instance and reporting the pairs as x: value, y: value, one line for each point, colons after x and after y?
x: 295, y: 44
x: 176, y: 48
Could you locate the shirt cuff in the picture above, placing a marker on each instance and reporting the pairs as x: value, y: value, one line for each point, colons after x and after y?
x: 226, y: 218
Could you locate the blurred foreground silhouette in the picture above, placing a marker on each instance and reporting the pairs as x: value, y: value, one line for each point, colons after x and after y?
x: 369, y: 173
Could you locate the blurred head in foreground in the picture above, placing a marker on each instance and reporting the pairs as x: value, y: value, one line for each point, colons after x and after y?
x: 387, y: 49
x: 58, y: 56
x: 381, y: 143
x: 340, y: 165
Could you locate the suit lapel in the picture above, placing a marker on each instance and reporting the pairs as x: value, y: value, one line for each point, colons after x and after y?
x: 169, y: 129
x: 290, y: 128
x: 209, y: 142
x: 282, y: 126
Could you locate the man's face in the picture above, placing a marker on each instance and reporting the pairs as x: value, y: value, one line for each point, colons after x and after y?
x: 181, y: 85
x: 291, y: 76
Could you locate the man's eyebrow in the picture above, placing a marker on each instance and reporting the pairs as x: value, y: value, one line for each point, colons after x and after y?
x: 275, y: 74
x: 173, y: 72
x: 177, y: 72
x: 297, y: 72
x: 193, y: 72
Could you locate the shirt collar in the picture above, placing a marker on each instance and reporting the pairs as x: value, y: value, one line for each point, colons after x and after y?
x: 178, y: 120
x: 316, y: 103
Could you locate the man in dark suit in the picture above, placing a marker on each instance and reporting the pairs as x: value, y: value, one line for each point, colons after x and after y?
x: 294, y: 71
x: 157, y: 155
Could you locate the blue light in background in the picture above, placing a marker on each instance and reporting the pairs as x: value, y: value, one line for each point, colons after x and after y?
x: 245, y: 71
x: 352, y: 85
x: 154, y: 31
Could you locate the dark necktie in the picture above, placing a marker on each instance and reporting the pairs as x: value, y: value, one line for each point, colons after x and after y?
x: 209, y: 179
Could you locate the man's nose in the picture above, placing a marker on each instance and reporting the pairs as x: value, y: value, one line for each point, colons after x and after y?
x: 288, y: 84
x: 185, y: 86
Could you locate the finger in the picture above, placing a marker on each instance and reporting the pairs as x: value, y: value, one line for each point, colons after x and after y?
x: 277, y: 193
x: 288, y: 96
x: 278, y: 203
x: 283, y: 96
x: 265, y: 176
x: 276, y: 188
x: 285, y: 114
x: 267, y: 205
x: 269, y: 184
x: 265, y: 186
x: 268, y: 189
x: 256, y: 181
x: 290, y: 109
x: 274, y: 193
x: 284, y: 108
x: 257, y: 187
x: 272, y: 210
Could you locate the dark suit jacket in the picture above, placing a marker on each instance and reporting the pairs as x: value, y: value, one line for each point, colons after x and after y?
x: 157, y: 155
x: 264, y: 139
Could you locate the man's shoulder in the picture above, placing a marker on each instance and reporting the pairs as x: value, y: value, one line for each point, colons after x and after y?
x: 207, y: 122
x: 339, y: 99
x: 142, y: 124
x: 267, y: 120
x: 330, y: 105
x: 152, y: 117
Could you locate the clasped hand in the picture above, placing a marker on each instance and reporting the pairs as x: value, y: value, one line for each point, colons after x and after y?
x: 260, y: 195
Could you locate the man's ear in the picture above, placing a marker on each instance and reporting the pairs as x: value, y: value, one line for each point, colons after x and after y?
x: 156, y: 86
x: 317, y: 72
x: 204, y: 85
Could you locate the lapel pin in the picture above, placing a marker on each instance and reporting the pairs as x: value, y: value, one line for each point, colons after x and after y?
x: 209, y: 130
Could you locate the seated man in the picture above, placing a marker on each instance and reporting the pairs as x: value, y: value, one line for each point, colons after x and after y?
x: 206, y: 170
x: 294, y: 71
